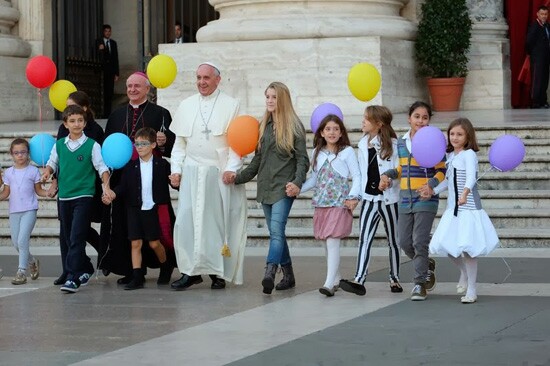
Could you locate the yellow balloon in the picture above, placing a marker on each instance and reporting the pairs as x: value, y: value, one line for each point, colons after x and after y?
x: 364, y: 81
x: 59, y: 93
x: 162, y: 71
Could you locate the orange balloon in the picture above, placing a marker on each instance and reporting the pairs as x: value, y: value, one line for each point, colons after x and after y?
x: 243, y: 133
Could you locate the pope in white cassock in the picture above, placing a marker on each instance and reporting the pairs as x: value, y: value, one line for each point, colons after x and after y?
x: 210, y: 213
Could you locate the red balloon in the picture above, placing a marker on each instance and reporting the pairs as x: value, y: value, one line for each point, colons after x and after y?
x: 41, y: 72
x: 242, y: 134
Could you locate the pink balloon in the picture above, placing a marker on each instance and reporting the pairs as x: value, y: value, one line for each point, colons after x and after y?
x: 506, y: 153
x: 321, y: 112
x: 428, y: 146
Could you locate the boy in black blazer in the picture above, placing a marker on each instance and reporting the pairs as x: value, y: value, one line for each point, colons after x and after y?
x: 144, y: 184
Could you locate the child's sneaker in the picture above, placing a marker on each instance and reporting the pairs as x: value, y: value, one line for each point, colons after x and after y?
x: 430, y: 279
x: 34, y: 268
x: 418, y: 293
x: 84, y: 279
x: 70, y: 287
x: 19, y: 279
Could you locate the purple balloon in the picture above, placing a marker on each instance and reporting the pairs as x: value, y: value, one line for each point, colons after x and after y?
x: 321, y: 112
x: 506, y: 153
x: 428, y: 146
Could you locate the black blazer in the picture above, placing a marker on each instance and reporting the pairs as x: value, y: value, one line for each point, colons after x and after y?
x: 537, y: 43
x: 130, y: 184
x: 109, y: 60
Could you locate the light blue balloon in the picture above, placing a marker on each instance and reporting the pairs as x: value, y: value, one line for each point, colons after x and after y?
x: 41, y: 146
x: 116, y: 150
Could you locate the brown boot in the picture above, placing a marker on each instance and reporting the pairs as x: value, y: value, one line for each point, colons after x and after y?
x: 269, y: 278
x: 288, y: 280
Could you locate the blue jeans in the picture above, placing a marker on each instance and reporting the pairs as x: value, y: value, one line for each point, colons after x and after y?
x: 276, y: 216
x: 74, y: 216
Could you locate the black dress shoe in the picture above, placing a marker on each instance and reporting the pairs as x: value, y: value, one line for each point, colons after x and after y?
x: 61, y: 279
x: 185, y: 281
x: 135, y: 283
x: 218, y: 284
x: 125, y: 280
x: 353, y: 287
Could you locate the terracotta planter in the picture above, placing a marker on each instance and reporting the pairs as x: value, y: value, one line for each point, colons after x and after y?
x: 445, y: 93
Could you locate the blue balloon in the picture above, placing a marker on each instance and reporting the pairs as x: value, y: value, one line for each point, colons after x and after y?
x: 116, y: 150
x: 41, y: 146
x: 321, y: 112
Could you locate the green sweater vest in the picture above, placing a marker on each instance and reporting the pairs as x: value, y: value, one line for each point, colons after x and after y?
x: 76, y: 172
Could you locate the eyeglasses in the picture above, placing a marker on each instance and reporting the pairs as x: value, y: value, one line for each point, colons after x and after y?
x: 22, y: 152
x: 142, y: 144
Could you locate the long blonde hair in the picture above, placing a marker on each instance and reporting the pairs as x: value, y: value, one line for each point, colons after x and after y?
x: 285, y: 119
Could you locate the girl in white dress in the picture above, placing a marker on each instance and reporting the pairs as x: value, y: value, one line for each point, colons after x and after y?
x: 464, y: 231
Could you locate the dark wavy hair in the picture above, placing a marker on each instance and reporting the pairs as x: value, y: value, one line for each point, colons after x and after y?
x: 319, y: 141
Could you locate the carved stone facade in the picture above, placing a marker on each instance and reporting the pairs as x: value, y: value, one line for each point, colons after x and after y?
x: 309, y: 45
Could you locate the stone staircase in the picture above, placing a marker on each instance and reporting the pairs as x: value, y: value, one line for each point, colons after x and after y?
x: 518, y: 202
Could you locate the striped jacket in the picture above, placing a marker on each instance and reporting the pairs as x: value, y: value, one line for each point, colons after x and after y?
x: 413, y: 176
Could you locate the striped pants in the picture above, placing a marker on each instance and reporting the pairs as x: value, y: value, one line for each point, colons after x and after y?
x: 371, y: 213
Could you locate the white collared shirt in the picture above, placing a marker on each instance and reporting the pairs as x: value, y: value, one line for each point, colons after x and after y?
x: 73, y: 145
x: 146, y: 168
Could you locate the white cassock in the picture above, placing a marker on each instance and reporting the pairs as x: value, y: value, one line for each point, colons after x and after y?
x: 209, y: 212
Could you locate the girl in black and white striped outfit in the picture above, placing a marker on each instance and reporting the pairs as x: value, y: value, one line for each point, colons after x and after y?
x: 377, y: 154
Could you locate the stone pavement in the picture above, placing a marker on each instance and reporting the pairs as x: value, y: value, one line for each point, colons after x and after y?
x: 105, y: 325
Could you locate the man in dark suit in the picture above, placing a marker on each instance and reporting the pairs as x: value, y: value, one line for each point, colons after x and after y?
x: 178, y: 34
x: 538, y: 48
x: 108, y: 56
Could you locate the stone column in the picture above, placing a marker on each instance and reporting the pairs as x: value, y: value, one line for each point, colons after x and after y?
x: 16, y: 94
x: 308, y: 45
x: 488, y: 85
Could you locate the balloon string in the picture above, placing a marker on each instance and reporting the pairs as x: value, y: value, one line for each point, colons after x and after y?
x: 492, y: 168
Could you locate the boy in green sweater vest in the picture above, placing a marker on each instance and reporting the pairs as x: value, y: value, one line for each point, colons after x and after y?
x: 75, y: 160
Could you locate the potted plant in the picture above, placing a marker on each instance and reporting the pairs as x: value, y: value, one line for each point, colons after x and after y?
x: 441, y: 50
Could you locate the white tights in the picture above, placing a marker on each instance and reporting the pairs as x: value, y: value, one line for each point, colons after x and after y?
x: 333, y: 262
x: 468, y: 273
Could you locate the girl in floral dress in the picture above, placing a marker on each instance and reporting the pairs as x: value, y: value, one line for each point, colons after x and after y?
x: 333, y: 162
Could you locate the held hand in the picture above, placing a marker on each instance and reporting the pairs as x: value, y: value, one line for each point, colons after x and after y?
x: 292, y: 189
x: 385, y: 182
x: 425, y: 192
x: 351, y: 204
x: 45, y: 175
x: 229, y: 177
x: 106, y: 200
x: 175, y: 179
x: 161, y: 139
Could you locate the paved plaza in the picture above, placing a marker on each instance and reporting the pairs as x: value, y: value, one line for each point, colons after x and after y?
x: 105, y: 325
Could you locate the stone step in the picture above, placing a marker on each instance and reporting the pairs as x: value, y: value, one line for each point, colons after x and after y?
x: 511, y: 218
x: 298, y: 238
x: 490, y: 199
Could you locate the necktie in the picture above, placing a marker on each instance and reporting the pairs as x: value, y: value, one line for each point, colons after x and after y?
x: 108, y: 45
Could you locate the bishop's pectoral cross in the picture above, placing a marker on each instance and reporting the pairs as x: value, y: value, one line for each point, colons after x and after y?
x: 206, y: 131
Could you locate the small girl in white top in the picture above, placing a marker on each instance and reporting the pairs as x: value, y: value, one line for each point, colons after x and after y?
x: 377, y: 154
x: 22, y: 184
x: 464, y: 231
x: 333, y: 162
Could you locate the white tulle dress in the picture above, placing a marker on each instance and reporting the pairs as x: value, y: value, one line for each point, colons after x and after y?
x: 466, y: 228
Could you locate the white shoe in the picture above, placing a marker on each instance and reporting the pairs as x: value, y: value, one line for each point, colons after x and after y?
x: 461, y: 290
x: 468, y: 300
